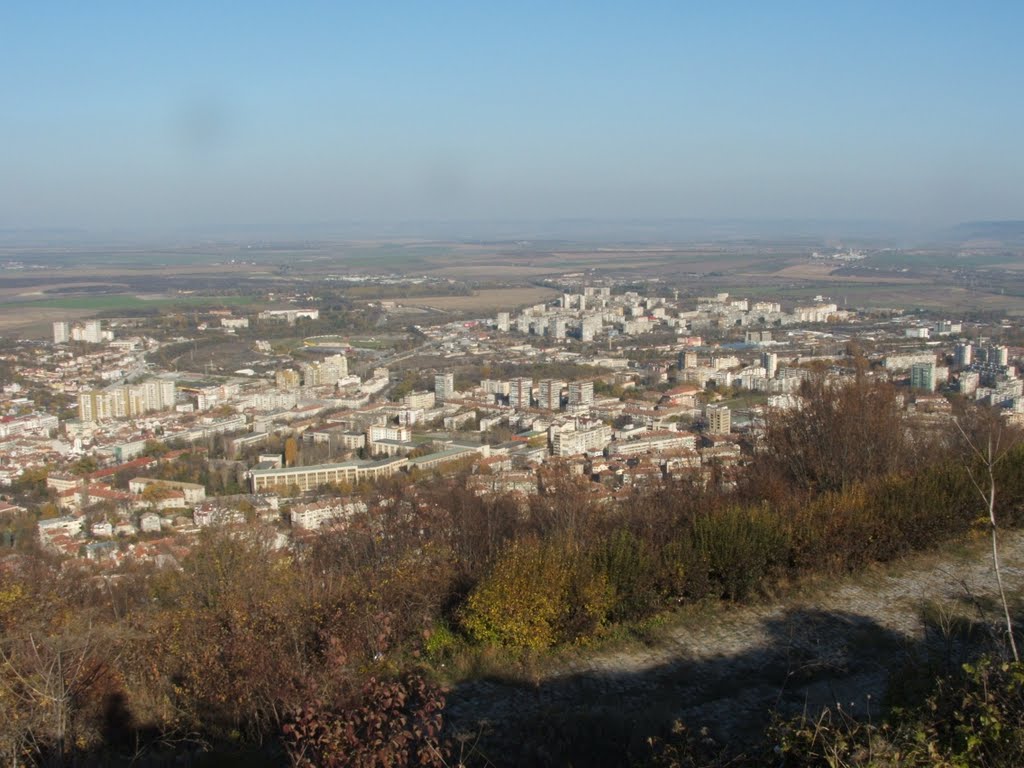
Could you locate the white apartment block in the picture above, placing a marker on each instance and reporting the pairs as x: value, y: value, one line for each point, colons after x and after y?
x: 578, y: 437
x: 444, y: 386
x: 719, y: 419
x: 581, y: 393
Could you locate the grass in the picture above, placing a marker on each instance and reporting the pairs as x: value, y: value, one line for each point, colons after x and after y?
x: 370, y: 343
x: 744, y: 401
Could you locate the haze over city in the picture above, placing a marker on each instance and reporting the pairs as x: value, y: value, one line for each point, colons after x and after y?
x: 227, y: 120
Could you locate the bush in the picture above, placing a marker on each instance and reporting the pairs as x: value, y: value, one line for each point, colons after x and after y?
x: 395, y: 724
x: 741, y: 548
x: 537, y: 594
x: 441, y: 644
x: 972, y: 720
x: 629, y: 569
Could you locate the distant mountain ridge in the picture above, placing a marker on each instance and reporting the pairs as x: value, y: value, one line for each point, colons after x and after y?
x: 1010, y: 230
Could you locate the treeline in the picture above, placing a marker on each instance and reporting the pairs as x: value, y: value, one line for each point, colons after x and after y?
x: 245, y: 646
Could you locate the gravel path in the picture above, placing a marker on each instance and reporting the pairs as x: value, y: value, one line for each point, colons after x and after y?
x: 729, y: 670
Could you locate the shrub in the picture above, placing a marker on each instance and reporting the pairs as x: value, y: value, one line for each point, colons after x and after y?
x: 441, y: 644
x: 741, y: 548
x: 629, y: 568
x: 395, y: 724
x: 974, y: 719
x: 537, y: 594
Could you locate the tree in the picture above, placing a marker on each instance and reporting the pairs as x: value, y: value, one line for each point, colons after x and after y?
x: 154, y: 493
x: 988, y: 446
x: 155, y: 448
x: 291, y: 452
x: 841, y: 435
x: 85, y: 466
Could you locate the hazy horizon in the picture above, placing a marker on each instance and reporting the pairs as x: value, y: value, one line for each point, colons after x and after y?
x: 199, y: 121
x: 637, y: 231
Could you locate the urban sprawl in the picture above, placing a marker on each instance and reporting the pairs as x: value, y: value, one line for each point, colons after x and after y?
x: 661, y: 387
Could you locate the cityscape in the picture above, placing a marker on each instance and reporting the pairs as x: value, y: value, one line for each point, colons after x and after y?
x: 450, y: 385
x: 623, y: 414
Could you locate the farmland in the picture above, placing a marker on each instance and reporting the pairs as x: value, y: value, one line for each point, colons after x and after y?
x: 487, y: 300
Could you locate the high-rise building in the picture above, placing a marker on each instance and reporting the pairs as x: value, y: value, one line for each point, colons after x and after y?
x: 126, y: 402
x: 325, y: 373
x: 337, y: 367
x: 158, y: 394
x: 495, y: 387
x: 969, y: 381
x: 287, y: 378
x: 579, y: 437
x: 549, y: 394
x: 922, y: 376
x: 770, y: 363
x: 61, y: 332
x: 92, y: 332
x: 590, y: 327
x: 719, y: 419
x: 964, y: 354
x: 520, y: 391
x: 504, y: 322
x: 581, y: 393
x: 444, y: 386
x: 688, y: 359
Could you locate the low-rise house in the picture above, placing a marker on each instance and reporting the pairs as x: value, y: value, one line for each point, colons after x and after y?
x: 316, y: 514
x: 191, y: 493
x: 150, y: 522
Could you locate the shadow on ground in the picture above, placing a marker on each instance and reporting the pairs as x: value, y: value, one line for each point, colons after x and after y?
x: 603, y: 717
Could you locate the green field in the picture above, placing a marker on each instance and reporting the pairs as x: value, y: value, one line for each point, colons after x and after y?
x: 129, y: 301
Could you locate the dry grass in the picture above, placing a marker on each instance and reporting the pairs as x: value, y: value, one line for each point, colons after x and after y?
x: 33, y: 322
x: 491, y: 271
x: 826, y: 271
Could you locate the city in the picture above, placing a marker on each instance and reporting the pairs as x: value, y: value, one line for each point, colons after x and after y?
x: 283, y: 436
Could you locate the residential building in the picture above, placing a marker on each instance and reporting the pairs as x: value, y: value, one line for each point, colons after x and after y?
x: 719, y: 419
x: 549, y: 394
x: 61, y: 332
x: 581, y: 393
x: 310, y: 478
x: 922, y: 376
x: 420, y: 399
x: 444, y: 386
x: 520, y: 392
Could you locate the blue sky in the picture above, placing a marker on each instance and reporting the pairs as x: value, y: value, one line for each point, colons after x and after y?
x: 212, y: 116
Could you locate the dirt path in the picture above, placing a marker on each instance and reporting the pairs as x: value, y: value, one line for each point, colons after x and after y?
x: 727, y: 672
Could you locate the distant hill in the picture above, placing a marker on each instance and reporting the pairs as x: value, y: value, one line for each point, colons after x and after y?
x: 1004, y: 231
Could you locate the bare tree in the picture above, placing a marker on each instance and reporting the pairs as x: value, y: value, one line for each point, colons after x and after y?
x: 989, y: 448
x: 46, y: 677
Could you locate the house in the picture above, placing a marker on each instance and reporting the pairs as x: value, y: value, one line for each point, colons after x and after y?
x: 150, y: 522
x: 191, y: 493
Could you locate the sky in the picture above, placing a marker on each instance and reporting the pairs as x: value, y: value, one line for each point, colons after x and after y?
x: 218, y: 117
